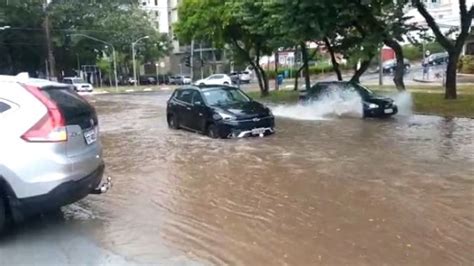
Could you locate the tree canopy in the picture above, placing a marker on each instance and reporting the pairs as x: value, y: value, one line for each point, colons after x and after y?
x: 119, y: 22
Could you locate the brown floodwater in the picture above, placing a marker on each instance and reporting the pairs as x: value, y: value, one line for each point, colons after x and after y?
x: 333, y: 192
x: 344, y: 191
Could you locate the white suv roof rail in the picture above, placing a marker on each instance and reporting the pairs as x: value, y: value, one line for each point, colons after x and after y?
x: 24, y: 77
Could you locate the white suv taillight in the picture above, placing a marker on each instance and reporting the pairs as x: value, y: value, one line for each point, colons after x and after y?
x: 50, y: 128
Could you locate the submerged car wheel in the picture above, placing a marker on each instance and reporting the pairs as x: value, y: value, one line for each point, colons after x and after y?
x: 212, y: 131
x: 173, y: 122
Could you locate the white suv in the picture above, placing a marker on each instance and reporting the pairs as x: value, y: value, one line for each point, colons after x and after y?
x: 216, y: 79
x: 50, y: 153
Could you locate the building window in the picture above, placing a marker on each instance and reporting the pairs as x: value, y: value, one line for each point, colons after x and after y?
x: 156, y: 2
x: 157, y: 14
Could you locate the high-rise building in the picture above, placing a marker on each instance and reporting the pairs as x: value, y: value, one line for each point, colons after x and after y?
x: 158, y: 10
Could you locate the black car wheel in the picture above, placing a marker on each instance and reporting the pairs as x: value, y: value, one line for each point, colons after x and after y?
x: 173, y: 122
x: 226, y: 83
x: 212, y: 131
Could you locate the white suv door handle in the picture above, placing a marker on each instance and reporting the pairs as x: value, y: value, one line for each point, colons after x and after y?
x: 189, y: 108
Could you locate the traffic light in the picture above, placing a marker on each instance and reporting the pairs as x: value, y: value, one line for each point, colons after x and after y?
x: 187, y: 61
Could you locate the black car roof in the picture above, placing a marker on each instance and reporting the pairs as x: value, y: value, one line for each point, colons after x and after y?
x: 332, y: 82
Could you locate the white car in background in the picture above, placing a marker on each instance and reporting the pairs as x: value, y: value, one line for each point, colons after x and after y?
x: 187, y: 80
x: 79, y: 84
x: 216, y: 79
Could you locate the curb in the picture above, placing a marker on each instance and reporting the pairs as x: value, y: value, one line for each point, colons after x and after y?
x: 426, y: 81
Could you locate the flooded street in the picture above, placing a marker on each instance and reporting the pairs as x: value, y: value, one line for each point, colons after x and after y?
x: 343, y: 191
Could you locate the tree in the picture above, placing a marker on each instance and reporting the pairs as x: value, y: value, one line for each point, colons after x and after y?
x: 238, y: 23
x: 453, y: 47
x: 300, y: 23
x: 23, y: 48
x: 385, y: 20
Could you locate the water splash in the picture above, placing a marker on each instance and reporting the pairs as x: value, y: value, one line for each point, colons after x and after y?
x: 334, y: 104
x: 404, y: 101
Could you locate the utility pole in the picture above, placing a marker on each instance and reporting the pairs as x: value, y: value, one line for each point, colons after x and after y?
x: 49, y: 46
x: 134, y: 54
x: 191, y: 63
x: 277, y: 62
x: 200, y: 60
x: 135, y: 83
x: 381, y: 66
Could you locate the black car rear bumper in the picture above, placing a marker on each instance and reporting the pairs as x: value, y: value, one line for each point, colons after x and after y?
x: 245, y: 128
x: 62, y: 195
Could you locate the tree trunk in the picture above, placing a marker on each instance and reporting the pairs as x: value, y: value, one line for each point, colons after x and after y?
x: 262, y: 80
x: 296, y: 77
x: 363, y: 67
x: 335, y: 64
x: 255, y: 63
x: 277, y: 59
x: 454, y: 49
x: 304, y: 52
x: 451, y: 71
x: 259, y: 77
x: 400, y: 68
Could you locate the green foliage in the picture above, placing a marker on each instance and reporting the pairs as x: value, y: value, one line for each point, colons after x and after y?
x: 415, y: 52
x: 119, y: 22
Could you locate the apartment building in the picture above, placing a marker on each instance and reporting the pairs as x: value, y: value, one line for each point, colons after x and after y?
x: 447, y: 15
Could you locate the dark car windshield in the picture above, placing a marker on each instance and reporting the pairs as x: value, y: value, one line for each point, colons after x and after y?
x: 224, y: 96
x: 364, y: 92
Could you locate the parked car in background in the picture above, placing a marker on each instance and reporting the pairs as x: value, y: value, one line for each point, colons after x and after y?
x: 180, y: 80
x: 373, y: 105
x: 240, y: 76
x: 216, y: 79
x: 163, y: 79
x: 79, y: 84
x: 390, y: 65
x: 186, y: 80
x: 147, y: 80
x: 50, y: 154
x: 438, y: 59
x: 218, y: 111
x: 175, y: 80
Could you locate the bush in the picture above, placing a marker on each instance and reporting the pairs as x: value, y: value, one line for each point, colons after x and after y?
x: 466, y: 64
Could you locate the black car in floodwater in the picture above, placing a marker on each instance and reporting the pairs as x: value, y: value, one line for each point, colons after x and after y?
x: 373, y: 105
x: 218, y: 111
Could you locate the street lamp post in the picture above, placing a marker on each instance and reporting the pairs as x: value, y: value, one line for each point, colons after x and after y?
x: 134, y: 61
x: 113, y: 53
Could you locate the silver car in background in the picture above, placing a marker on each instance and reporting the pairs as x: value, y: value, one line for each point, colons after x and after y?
x: 50, y: 153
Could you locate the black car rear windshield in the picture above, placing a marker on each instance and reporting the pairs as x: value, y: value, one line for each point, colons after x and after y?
x: 224, y: 96
x: 76, y: 110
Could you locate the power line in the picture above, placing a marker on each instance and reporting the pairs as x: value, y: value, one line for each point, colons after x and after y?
x: 64, y: 30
